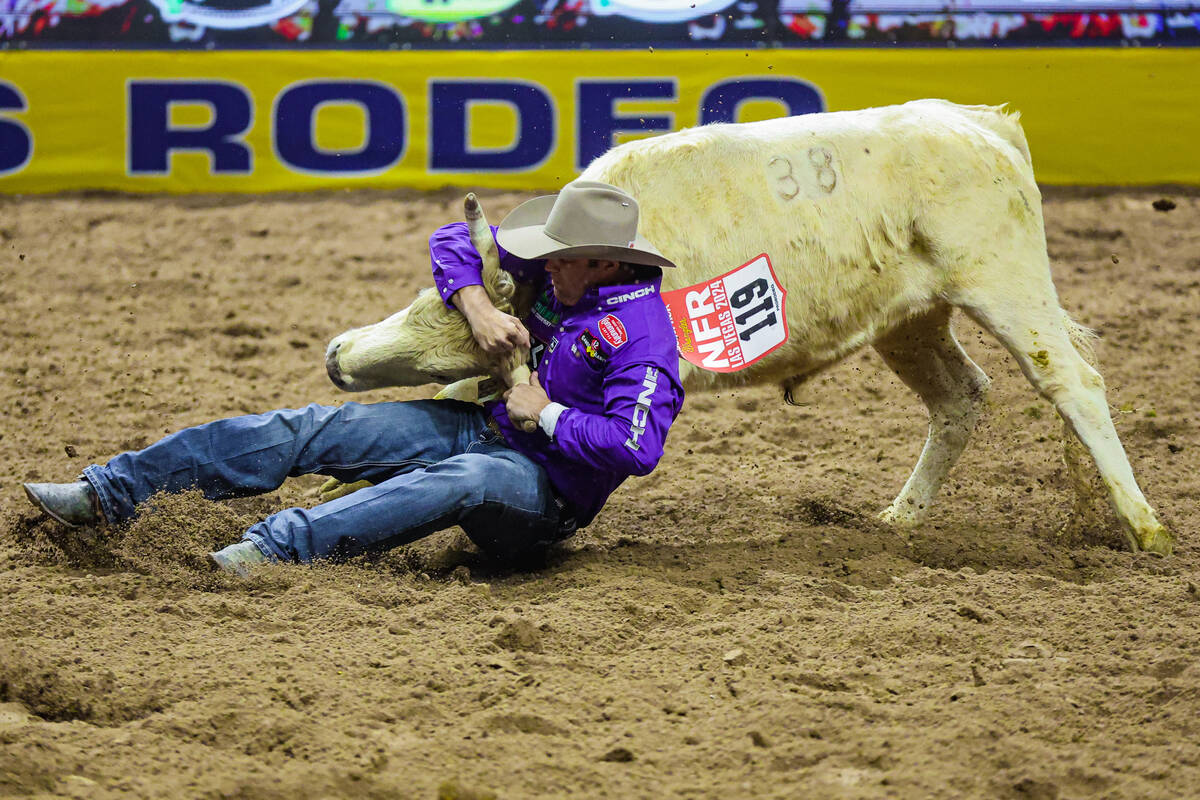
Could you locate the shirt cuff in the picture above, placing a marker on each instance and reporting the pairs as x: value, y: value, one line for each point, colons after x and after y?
x: 548, y: 419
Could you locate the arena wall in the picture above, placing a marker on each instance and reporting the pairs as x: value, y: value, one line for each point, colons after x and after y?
x: 255, y: 121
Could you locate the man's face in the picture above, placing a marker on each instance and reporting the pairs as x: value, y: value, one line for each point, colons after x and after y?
x: 572, y: 277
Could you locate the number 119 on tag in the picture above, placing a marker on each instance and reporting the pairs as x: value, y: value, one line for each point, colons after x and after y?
x: 727, y: 323
x: 756, y: 301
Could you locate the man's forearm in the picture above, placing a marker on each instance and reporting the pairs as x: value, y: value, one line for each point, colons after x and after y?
x: 472, y: 301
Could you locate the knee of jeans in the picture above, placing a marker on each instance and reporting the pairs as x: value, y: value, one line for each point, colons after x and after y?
x: 525, y: 496
x: 292, y: 423
x: 510, y: 536
x: 314, y: 411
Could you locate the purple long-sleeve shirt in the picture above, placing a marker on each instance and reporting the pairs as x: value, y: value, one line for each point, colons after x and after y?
x: 610, y: 359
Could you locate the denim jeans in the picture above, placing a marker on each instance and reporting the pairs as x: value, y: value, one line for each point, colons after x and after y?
x: 434, y: 463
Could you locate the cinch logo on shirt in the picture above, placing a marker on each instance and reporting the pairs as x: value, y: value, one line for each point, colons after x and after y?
x: 641, y: 413
x: 634, y: 295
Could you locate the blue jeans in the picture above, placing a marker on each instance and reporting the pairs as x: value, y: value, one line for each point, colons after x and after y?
x: 434, y: 463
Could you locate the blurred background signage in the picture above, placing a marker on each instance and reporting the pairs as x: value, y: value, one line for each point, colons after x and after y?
x: 658, y: 10
x: 266, y: 95
x: 591, y: 23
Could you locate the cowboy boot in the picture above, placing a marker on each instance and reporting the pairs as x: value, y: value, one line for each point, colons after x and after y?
x: 239, y: 558
x: 73, y: 504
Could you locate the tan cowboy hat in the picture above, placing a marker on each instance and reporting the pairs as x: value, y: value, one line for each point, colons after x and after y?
x: 587, y: 219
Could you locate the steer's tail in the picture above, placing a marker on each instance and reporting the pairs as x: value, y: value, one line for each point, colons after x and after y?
x: 1081, y: 338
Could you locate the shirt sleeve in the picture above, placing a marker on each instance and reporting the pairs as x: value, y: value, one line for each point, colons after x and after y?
x: 456, y: 263
x: 641, y: 401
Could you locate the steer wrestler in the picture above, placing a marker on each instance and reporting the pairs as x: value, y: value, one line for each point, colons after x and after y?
x: 605, y: 391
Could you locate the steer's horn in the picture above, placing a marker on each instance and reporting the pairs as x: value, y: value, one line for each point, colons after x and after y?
x: 497, y: 282
x: 499, y: 286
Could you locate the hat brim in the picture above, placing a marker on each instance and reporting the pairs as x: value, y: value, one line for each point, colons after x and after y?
x: 523, y: 234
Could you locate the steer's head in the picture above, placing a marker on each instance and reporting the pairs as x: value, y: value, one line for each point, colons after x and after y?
x: 424, y: 343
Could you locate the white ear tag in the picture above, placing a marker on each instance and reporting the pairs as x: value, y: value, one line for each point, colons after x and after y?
x: 729, y: 322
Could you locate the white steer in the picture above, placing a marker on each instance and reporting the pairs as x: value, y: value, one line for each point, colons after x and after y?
x: 879, y: 223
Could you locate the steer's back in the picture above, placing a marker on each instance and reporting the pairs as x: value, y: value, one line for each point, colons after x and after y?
x: 855, y: 209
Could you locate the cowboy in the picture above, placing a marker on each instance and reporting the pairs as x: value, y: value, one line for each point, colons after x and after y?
x: 604, y: 393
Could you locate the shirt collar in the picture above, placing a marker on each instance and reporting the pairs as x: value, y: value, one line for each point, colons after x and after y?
x: 616, y: 295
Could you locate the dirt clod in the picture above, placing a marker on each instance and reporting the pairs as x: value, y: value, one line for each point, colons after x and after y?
x: 520, y: 634
x: 735, y: 657
x: 618, y: 755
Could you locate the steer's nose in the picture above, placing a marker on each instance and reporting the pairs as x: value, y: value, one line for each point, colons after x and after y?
x: 331, y: 365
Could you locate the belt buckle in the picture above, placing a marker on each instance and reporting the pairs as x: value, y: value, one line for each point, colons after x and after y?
x: 494, y: 426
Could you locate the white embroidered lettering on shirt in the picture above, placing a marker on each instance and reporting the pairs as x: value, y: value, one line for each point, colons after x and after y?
x: 634, y: 295
x: 641, y: 413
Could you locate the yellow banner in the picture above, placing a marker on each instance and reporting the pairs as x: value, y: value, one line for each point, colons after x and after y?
x: 265, y: 121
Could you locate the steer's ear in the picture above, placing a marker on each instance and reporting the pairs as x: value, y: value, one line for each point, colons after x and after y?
x: 498, y: 283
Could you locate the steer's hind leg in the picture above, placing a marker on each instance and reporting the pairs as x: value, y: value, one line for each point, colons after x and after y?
x: 925, y: 355
x: 1037, y: 333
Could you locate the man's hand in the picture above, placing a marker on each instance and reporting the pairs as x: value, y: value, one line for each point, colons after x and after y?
x: 525, y: 401
x: 496, y: 332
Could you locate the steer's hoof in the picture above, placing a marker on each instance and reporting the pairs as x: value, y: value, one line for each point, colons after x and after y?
x: 899, y: 518
x: 332, y: 489
x: 1157, y: 540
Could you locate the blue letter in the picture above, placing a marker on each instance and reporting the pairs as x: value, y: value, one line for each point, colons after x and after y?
x: 151, y: 137
x: 720, y: 103
x: 295, y: 113
x: 450, y: 140
x: 598, y: 122
x: 16, y: 143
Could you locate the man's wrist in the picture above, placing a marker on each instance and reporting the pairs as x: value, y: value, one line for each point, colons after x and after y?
x: 548, y: 418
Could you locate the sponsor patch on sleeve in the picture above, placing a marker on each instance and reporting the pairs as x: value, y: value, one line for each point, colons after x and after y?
x: 613, y: 331
x: 588, y: 346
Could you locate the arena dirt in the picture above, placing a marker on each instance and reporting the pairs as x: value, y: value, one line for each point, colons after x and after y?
x: 736, y: 625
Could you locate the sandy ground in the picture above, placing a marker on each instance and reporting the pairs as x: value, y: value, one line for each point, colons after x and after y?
x: 736, y: 625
